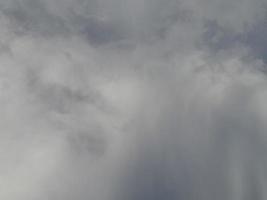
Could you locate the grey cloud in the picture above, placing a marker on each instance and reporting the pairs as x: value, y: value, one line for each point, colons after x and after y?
x: 256, y: 40
x: 127, y: 99
x: 217, y: 38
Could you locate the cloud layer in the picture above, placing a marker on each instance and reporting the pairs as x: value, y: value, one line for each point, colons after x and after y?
x: 123, y: 99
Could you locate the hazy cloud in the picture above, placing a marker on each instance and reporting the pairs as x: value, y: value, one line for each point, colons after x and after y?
x: 125, y: 99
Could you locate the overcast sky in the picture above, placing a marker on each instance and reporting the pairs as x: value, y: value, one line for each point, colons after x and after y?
x: 133, y: 99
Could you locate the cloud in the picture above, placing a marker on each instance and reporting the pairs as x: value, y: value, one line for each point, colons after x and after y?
x: 132, y: 99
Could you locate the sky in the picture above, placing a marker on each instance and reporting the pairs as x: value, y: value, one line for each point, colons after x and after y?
x: 133, y: 99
